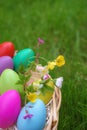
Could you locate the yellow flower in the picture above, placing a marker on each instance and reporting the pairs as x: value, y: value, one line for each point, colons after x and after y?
x: 51, y: 65
x: 60, y: 60
x: 32, y: 97
x: 36, y: 84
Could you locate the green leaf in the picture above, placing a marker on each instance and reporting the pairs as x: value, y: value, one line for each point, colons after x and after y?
x: 30, y: 89
x: 46, y: 88
x: 19, y: 82
x: 43, y: 90
x: 21, y: 69
x: 49, y: 88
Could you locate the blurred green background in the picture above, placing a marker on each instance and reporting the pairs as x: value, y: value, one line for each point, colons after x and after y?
x: 63, y: 26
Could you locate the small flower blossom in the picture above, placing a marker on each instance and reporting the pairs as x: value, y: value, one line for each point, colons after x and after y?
x: 46, y: 76
x: 32, y: 97
x: 60, y: 61
x: 51, y: 65
x: 59, y: 82
x: 42, y: 70
x: 38, y: 92
x: 40, y: 41
x: 39, y: 68
x: 41, y: 86
x: 36, y: 83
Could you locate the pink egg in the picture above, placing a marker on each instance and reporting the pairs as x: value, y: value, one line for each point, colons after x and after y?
x: 10, y: 106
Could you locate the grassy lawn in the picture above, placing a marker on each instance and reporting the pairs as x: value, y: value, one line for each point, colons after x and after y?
x: 63, y: 26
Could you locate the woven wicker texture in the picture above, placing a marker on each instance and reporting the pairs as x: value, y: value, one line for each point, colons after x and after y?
x: 53, y: 111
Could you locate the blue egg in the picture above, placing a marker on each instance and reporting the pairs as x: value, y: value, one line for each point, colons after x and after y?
x: 23, y: 58
x: 37, y: 121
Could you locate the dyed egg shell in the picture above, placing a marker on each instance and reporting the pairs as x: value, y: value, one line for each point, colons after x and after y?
x: 47, y: 95
x: 37, y: 121
x: 6, y: 62
x: 10, y: 105
x: 8, y: 80
x: 24, y: 58
x: 7, y: 49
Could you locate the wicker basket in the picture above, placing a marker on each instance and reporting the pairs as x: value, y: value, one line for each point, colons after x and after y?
x: 52, y: 112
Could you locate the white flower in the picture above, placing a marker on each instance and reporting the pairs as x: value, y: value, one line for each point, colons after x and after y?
x: 41, y: 86
x: 59, y: 82
x: 39, y: 68
x: 42, y: 69
x: 38, y: 92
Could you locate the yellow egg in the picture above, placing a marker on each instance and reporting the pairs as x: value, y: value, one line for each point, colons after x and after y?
x: 47, y: 95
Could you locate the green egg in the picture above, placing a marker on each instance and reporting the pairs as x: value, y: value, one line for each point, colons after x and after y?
x: 23, y: 58
x: 9, y: 81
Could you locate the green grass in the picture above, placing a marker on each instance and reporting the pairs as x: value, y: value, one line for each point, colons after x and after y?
x: 63, y: 26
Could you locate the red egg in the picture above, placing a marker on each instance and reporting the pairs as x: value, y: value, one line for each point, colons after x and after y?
x: 7, y: 49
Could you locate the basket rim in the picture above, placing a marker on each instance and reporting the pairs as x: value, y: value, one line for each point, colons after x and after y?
x: 54, y: 112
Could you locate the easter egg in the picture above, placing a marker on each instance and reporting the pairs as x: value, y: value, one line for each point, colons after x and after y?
x: 7, y: 49
x: 8, y: 80
x: 24, y: 58
x: 10, y: 105
x: 47, y: 95
x: 6, y: 62
x: 37, y: 118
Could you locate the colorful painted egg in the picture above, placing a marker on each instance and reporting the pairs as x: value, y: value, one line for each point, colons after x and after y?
x: 47, y: 95
x: 23, y: 58
x: 6, y: 62
x: 8, y: 80
x: 7, y: 49
x: 10, y: 105
x: 32, y: 116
